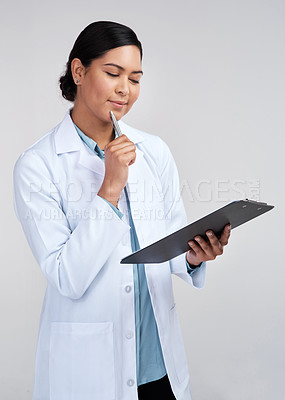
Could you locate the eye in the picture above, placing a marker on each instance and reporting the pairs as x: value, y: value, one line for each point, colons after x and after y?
x: 134, y: 81
x: 109, y: 73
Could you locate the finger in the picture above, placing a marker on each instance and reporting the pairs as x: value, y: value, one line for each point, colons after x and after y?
x: 192, y: 257
x: 126, y: 154
x: 120, y: 139
x: 225, y: 235
x: 113, y: 147
x: 215, y: 243
x: 127, y: 158
x: 117, y: 153
x: 197, y: 250
x: 191, y: 253
x: 132, y: 161
x: 206, y: 247
x: 124, y: 148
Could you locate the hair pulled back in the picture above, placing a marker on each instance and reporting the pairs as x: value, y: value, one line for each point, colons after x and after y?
x: 93, y: 42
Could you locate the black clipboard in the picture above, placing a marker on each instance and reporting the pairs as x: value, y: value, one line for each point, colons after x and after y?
x: 236, y: 213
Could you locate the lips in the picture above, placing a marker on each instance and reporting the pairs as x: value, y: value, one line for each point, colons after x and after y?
x: 118, y: 104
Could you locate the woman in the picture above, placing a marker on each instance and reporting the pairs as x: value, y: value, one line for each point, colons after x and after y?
x: 87, y: 198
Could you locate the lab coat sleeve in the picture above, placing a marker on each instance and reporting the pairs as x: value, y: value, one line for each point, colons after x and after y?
x: 70, y: 260
x: 175, y: 216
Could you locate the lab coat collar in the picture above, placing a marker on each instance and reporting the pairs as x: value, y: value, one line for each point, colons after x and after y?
x: 68, y: 140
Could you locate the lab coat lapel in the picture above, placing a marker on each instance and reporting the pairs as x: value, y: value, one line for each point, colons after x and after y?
x: 67, y: 140
x: 136, y: 192
x: 92, y: 162
x: 139, y: 174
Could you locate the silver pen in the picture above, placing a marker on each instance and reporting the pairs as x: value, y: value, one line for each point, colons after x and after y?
x: 115, y: 124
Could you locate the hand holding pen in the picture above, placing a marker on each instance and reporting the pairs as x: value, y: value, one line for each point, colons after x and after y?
x: 119, y: 155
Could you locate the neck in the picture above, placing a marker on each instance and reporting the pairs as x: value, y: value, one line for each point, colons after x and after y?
x: 100, y: 131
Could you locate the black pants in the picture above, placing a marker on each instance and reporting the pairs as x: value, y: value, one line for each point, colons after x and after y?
x: 156, y: 390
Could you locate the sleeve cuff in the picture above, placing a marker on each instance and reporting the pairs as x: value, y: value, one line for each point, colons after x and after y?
x: 191, y: 268
x: 117, y: 211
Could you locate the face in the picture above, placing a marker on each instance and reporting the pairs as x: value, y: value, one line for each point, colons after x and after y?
x: 111, y: 82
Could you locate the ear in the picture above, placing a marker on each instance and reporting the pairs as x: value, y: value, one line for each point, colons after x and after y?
x: 77, y: 70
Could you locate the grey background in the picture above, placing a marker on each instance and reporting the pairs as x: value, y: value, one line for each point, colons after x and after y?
x: 214, y: 91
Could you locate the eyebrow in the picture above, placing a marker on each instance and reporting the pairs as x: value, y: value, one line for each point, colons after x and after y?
x: 123, y: 69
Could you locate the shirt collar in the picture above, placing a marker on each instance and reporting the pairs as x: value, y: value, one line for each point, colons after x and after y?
x: 66, y: 138
x: 91, y: 143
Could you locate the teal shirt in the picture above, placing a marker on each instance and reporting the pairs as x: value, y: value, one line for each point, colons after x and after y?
x: 149, y: 358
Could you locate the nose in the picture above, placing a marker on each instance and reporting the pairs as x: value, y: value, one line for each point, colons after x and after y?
x: 122, y: 87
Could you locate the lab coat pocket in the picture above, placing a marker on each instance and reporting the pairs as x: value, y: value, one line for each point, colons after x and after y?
x: 81, y: 361
x: 177, y: 347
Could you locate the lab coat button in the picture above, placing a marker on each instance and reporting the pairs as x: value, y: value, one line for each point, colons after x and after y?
x: 128, y: 288
x: 130, y: 382
x: 129, y: 334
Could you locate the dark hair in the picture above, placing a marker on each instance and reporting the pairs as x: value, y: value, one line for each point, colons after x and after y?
x: 93, y: 42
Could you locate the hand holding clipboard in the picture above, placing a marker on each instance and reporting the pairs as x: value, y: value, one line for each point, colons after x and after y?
x: 236, y: 213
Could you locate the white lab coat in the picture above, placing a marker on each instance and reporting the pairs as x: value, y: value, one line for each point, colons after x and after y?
x: 86, y: 345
